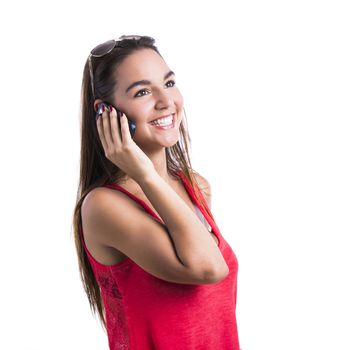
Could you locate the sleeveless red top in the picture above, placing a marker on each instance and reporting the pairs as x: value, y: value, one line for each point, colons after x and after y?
x: 144, y: 312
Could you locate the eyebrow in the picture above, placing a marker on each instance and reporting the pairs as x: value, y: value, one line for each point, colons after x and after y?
x: 146, y: 82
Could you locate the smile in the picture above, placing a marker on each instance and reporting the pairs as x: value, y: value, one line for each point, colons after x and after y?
x: 165, y: 122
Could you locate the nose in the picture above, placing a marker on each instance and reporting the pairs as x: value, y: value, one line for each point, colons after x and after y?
x: 163, y: 100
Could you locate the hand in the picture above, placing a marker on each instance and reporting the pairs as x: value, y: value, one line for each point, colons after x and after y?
x: 119, y: 147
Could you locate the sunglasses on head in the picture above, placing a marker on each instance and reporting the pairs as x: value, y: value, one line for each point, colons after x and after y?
x: 104, y: 49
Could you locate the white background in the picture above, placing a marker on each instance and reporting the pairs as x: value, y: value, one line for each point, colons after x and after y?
x: 266, y: 90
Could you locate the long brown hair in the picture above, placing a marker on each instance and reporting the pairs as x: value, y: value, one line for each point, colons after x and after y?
x: 96, y: 169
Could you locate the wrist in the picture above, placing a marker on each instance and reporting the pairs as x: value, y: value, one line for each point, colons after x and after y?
x: 149, y: 178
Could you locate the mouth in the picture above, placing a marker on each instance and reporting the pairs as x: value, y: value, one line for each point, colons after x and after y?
x: 164, y: 123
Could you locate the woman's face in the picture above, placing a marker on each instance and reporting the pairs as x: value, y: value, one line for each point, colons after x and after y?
x: 155, y: 97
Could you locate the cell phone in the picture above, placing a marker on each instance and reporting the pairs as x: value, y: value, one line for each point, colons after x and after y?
x: 132, y: 125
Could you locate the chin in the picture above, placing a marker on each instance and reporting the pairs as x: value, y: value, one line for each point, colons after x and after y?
x: 171, y: 139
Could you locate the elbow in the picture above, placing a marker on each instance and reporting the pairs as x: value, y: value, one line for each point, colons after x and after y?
x: 216, y: 275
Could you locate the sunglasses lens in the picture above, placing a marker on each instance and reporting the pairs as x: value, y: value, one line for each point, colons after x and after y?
x: 136, y: 37
x: 103, y: 49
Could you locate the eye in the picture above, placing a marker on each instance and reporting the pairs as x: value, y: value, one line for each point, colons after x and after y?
x: 143, y: 90
x: 138, y: 93
x: 171, y: 81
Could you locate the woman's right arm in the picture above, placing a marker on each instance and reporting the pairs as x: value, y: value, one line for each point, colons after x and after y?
x: 193, y: 243
x: 181, y: 251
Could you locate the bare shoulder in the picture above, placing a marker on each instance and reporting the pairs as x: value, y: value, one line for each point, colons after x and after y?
x: 98, y: 199
x: 97, y: 207
x: 204, y: 186
x: 101, y: 202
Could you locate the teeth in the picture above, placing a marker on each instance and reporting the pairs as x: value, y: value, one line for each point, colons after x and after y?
x: 163, y: 121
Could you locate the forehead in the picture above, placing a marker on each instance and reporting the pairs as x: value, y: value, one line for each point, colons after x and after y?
x: 142, y: 64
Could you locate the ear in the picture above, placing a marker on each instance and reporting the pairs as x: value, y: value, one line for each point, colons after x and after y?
x: 96, y: 103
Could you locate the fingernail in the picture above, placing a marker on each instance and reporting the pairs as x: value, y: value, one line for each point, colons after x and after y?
x: 100, y: 108
x: 103, y: 107
x: 110, y: 108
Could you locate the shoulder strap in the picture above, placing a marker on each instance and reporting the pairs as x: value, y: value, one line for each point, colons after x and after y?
x: 190, y: 190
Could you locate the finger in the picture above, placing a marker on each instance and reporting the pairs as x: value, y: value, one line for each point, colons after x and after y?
x: 100, y: 132
x: 107, y: 128
x: 124, y: 126
x: 115, y: 129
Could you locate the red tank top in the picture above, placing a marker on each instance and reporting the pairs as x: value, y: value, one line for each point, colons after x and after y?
x: 144, y: 312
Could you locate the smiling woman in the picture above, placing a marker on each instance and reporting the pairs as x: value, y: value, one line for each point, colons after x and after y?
x: 153, y: 262
x: 158, y: 98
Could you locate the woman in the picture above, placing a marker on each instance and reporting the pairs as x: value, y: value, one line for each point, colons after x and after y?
x: 153, y: 262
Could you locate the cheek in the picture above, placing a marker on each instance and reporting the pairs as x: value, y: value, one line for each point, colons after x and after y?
x: 178, y: 99
x: 136, y: 111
